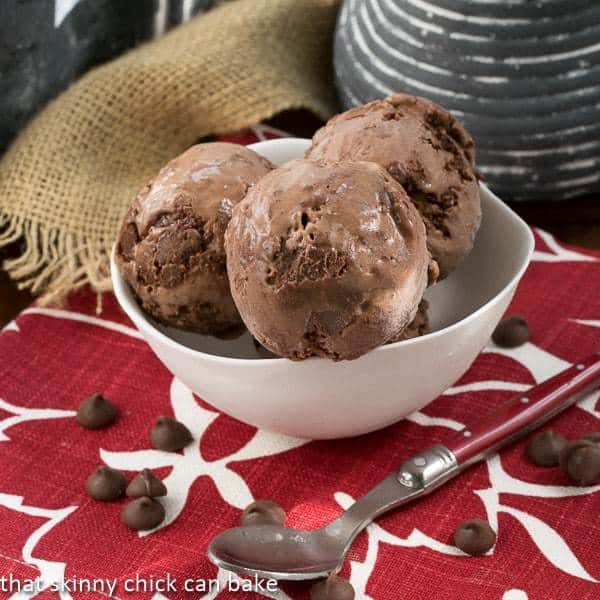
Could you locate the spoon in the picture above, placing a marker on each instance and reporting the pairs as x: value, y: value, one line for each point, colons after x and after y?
x: 278, y: 552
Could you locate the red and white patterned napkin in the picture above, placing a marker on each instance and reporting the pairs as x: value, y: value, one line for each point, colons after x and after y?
x: 50, y: 359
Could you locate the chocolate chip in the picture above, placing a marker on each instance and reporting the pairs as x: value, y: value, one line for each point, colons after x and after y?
x: 106, y: 484
x: 511, y: 332
x: 593, y: 437
x: 580, y: 460
x: 544, y: 447
x: 332, y: 588
x: 474, y: 537
x: 143, y: 513
x: 146, y: 484
x: 263, y: 512
x: 170, y: 435
x: 96, y: 412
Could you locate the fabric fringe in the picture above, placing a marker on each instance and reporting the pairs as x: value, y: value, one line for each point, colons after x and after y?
x: 53, y: 262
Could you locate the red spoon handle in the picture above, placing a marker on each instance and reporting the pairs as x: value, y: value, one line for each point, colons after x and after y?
x: 526, y: 411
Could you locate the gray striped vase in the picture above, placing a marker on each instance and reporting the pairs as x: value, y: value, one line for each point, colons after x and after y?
x: 522, y: 75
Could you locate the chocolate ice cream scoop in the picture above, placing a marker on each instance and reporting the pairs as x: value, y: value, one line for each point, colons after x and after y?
x: 170, y: 248
x: 427, y: 151
x: 418, y: 326
x: 326, y: 259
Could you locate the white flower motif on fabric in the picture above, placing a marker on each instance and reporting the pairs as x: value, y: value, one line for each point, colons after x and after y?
x: 558, y: 253
x: 486, y: 386
x: 190, y: 465
x: 540, y: 363
x: 514, y: 594
x: 424, y: 420
x: 71, y: 315
x: 550, y: 543
x: 10, y: 326
x: 261, y: 130
x: 543, y: 365
x: 23, y: 414
x: 589, y: 323
x: 51, y: 572
x: 360, y: 572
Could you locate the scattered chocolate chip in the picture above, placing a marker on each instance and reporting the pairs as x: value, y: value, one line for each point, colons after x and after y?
x: 146, y: 484
x: 593, y: 437
x: 544, y: 447
x: 474, y: 537
x: 96, y: 412
x: 170, y: 435
x: 143, y: 513
x: 580, y: 460
x: 263, y: 512
x: 332, y: 588
x: 106, y: 484
x: 511, y: 332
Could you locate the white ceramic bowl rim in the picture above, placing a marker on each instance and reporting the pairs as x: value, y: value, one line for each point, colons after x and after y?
x: 136, y: 314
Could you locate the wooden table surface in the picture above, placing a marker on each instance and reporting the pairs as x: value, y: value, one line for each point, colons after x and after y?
x: 574, y: 222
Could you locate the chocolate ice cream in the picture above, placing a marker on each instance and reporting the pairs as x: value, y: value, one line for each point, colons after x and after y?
x: 326, y: 259
x: 170, y: 248
x: 418, y: 326
x: 427, y: 151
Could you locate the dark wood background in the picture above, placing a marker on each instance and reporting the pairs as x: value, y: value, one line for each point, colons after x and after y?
x: 574, y: 222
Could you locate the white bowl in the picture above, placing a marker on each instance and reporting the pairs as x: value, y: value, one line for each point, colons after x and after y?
x: 321, y: 399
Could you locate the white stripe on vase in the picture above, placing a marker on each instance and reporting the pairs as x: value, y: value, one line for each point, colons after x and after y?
x: 383, y: 67
x: 432, y: 9
x: 364, y: 13
x: 187, y: 9
x: 514, y: 61
x: 408, y: 18
x: 584, y: 163
x: 160, y: 18
x: 567, y: 150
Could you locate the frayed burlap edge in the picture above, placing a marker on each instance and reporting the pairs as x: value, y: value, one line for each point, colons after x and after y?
x: 55, y: 260
x: 53, y: 263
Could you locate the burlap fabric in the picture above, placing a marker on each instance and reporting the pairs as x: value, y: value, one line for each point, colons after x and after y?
x: 67, y: 179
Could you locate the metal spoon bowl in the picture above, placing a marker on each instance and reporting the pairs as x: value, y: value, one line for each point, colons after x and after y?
x: 277, y: 552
